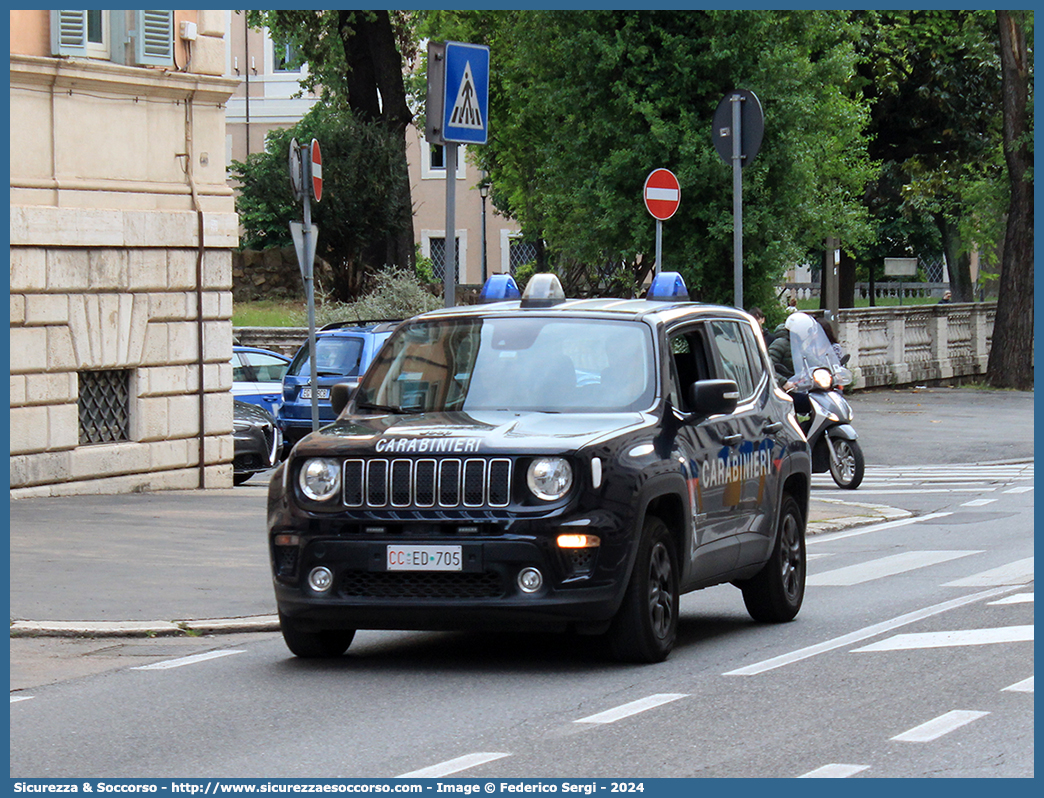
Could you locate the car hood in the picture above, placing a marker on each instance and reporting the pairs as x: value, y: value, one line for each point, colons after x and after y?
x: 493, y: 432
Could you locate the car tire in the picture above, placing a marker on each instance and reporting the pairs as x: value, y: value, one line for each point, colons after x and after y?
x: 775, y: 593
x: 848, y: 469
x: 314, y: 645
x: 646, y: 625
x: 239, y: 479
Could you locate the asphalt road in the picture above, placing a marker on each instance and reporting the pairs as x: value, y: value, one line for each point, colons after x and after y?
x: 910, y: 658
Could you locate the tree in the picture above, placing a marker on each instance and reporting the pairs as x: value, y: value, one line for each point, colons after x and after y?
x: 933, y: 82
x: 361, y: 207
x: 584, y: 104
x: 356, y: 59
x: 1011, y: 354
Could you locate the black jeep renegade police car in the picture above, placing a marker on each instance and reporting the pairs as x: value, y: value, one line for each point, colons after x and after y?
x: 546, y: 463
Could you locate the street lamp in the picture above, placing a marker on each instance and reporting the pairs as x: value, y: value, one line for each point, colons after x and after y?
x: 484, y: 192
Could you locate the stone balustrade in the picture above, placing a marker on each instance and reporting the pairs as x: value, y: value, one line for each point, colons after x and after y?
x: 910, y: 345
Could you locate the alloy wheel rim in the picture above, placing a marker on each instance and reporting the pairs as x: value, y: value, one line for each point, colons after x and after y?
x: 790, y: 545
x: 661, y: 605
x: 845, y: 461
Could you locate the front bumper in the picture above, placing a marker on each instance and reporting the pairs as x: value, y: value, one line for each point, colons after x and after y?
x: 581, y: 588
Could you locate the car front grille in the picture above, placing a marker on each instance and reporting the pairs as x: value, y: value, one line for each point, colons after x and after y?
x: 398, y: 585
x: 427, y: 482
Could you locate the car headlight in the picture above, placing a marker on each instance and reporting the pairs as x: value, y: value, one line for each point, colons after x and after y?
x: 549, y: 478
x: 320, y: 478
x: 823, y: 379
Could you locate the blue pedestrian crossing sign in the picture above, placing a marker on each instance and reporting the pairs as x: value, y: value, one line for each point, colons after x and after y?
x: 465, y: 114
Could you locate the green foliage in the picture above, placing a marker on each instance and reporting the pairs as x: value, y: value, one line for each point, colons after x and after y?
x: 362, y: 189
x: 523, y: 274
x: 398, y: 294
x: 933, y: 80
x: 584, y: 104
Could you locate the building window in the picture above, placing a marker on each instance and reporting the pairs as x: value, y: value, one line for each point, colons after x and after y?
x: 284, y: 57
x: 520, y: 253
x: 104, y: 399
x: 438, y: 156
x: 437, y: 253
x: 433, y: 161
x: 88, y: 34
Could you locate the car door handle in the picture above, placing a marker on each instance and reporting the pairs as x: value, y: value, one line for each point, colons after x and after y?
x: 732, y: 440
x: 775, y: 426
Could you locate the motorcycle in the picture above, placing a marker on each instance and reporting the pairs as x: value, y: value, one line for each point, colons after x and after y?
x: 820, y: 375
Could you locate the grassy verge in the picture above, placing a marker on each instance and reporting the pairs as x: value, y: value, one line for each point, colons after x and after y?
x: 266, y: 313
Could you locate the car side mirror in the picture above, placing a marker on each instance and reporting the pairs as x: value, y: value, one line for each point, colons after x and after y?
x: 712, y: 397
x: 341, y: 395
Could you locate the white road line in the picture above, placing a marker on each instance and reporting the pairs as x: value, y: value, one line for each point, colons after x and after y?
x: 633, y: 708
x: 835, y: 771
x: 866, y: 530
x: 192, y: 660
x: 1025, y: 686
x: 978, y: 502
x: 863, y: 634
x: 1022, y: 489
x: 958, y: 637
x: 16, y: 698
x: 873, y: 492
x: 944, y: 724
x: 452, y: 766
x: 1014, y: 573
x: 1018, y: 598
x: 885, y: 566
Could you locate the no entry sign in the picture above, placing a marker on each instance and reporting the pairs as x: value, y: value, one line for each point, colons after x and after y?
x: 317, y: 171
x: 662, y: 194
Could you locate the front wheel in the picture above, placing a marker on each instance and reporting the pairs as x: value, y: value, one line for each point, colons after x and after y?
x: 314, y: 645
x: 775, y: 593
x: 846, y: 462
x: 645, y: 627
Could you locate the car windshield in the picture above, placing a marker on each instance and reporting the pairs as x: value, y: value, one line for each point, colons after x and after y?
x: 334, y: 356
x: 528, y: 363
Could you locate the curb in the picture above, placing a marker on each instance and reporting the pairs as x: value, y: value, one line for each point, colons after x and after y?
x: 256, y: 623
x: 858, y: 514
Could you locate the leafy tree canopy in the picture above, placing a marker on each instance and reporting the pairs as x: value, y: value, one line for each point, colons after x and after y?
x: 584, y: 104
x: 362, y: 187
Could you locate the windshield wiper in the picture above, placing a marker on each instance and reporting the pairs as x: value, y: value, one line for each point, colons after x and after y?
x: 381, y: 408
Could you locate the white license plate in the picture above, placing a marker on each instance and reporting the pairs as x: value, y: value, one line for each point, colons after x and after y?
x: 424, y: 558
x: 324, y: 393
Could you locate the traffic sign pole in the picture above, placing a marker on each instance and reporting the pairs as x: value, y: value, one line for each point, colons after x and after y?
x: 449, y: 277
x: 659, y: 245
x: 737, y: 200
x: 313, y: 376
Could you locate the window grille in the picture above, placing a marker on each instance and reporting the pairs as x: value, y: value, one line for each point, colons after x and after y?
x: 933, y: 266
x: 104, y: 398
x: 437, y: 253
x: 520, y: 253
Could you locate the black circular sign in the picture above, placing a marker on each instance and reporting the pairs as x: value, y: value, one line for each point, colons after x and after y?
x: 752, y: 126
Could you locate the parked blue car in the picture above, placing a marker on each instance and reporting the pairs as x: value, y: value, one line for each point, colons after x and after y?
x: 257, y: 377
x: 343, y: 351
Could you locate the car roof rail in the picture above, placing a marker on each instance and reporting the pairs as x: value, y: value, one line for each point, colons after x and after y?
x: 337, y: 325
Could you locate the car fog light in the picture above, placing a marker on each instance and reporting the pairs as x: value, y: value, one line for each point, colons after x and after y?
x: 320, y: 579
x: 530, y: 580
x: 578, y: 541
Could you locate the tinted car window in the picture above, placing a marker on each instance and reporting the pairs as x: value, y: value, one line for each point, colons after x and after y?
x: 265, y: 367
x: 728, y: 340
x: 532, y: 363
x: 333, y: 356
x: 754, y: 356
